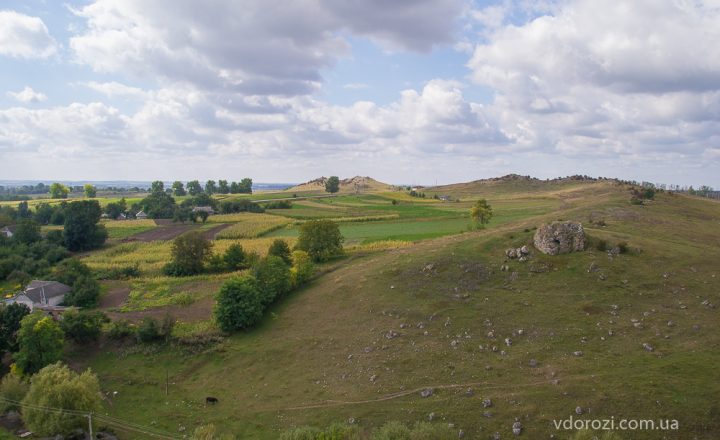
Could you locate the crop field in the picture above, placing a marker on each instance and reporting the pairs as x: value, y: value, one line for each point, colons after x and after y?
x: 464, y: 328
x: 118, y: 229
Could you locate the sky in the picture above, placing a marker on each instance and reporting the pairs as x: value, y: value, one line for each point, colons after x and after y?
x: 412, y: 92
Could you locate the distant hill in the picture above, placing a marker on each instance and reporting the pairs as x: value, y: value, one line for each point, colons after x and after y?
x: 510, y: 184
x: 351, y: 185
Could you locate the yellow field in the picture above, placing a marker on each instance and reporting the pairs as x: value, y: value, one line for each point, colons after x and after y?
x: 248, y: 225
x: 125, y: 224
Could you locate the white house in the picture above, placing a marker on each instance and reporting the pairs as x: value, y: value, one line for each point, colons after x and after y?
x: 141, y: 215
x: 207, y: 209
x: 40, y: 294
x: 6, y: 232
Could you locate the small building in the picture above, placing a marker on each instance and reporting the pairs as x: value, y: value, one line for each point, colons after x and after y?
x: 207, y: 209
x: 6, y: 232
x: 445, y: 198
x: 141, y: 215
x: 122, y: 216
x: 41, y: 295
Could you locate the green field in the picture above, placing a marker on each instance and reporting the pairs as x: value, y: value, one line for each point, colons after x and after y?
x: 311, y: 359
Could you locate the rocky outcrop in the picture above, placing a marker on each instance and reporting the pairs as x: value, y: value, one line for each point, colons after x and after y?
x: 560, y: 238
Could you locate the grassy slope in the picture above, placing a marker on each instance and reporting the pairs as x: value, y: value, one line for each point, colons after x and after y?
x: 296, y: 367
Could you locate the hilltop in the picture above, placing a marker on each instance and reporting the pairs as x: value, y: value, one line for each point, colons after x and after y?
x: 357, y: 184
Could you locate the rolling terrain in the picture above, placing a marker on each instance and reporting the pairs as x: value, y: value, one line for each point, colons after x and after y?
x: 379, y: 328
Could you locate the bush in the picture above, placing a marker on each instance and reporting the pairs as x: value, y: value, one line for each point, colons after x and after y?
x: 273, y: 278
x: 302, y: 269
x: 280, y: 204
x: 321, y: 239
x: 235, y: 257
x: 623, y: 247
x: 85, y: 293
x: 392, y: 430
x: 280, y: 248
x: 601, y: 245
x: 150, y: 330
x: 189, y: 253
x: 333, y: 432
x: 119, y: 273
x: 56, y: 386
x: 239, y: 304
x: 121, y: 329
x: 83, y: 326
x: 12, y: 388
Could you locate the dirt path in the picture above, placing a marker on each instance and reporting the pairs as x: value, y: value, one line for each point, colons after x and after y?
x: 212, y: 232
x: 114, y: 298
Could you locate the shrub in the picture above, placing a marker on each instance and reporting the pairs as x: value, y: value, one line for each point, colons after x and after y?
x: 601, y: 245
x: 623, y: 247
x: 280, y: 248
x: 321, y: 239
x: 333, y: 432
x: 119, y: 273
x: 85, y: 293
x: 83, y: 326
x: 189, y: 253
x: 150, y: 330
x: 11, y: 316
x: 12, y: 388
x: 302, y: 269
x: 280, y: 204
x: 235, y: 257
x: 273, y: 278
x: 56, y: 386
x: 392, y: 430
x: 239, y: 304
x: 120, y: 330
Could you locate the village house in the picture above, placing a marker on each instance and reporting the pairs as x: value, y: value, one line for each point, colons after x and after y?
x: 6, y: 232
x: 207, y: 209
x: 141, y: 215
x: 41, y: 295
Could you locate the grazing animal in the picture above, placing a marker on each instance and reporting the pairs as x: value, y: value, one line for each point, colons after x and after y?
x: 211, y: 400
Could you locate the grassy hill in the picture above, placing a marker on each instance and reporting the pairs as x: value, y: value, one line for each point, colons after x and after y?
x: 355, y: 184
x: 376, y: 328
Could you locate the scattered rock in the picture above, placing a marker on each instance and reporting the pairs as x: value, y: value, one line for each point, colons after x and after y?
x: 496, y: 436
x: 469, y: 392
x: 461, y: 434
x: 486, y: 403
x: 373, y: 378
x: 427, y: 392
x: 560, y: 238
x: 670, y: 324
x: 533, y: 363
x: 648, y: 347
x: 517, y: 428
x: 577, y: 353
x: 392, y: 334
x: 431, y: 416
x: 351, y: 421
x: 593, y: 267
x: 508, y: 342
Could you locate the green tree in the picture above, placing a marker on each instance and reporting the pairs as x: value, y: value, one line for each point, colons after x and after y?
x: 43, y: 213
x: 481, y: 212
x: 280, y: 248
x: 245, y: 186
x: 81, y: 231
x: 11, y: 316
x: 321, y: 239
x: 189, y: 253
x: 178, y: 188
x: 83, y: 326
x: 210, y: 187
x: 157, y: 187
x: 273, y: 278
x: 57, y: 386
x: 41, y: 343
x: 27, y: 232
x: 302, y: 268
x: 239, y: 305
x: 59, y: 191
x: 194, y: 188
x: 90, y: 191
x: 223, y: 187
x: 332, y: 185
x: 235, y: 257
x: 234, y: 188
x: 12, y: 389
x: 203, y: 215
x: 113, y: 210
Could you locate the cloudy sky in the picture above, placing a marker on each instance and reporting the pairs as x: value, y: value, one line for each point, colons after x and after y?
x: 419, y: 91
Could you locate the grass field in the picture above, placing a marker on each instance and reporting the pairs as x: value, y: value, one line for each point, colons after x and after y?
x: 311, y: 360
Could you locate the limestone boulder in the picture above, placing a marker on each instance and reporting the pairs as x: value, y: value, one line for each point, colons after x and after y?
x: 560, y: 238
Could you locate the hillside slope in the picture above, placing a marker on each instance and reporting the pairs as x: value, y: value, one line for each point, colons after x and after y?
x: 364, y: 340
x: 355, y: 184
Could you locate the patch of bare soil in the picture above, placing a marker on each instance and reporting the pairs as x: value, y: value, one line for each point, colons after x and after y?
x: 212, y: 232
x: 198, y: 311
x: 114, y: 298
x: 163, y: 232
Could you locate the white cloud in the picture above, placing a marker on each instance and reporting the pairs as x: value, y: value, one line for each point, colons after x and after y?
x: 27, y: 95
x: 355, y: 86
x: 23, y: 36
x: 115, y: 89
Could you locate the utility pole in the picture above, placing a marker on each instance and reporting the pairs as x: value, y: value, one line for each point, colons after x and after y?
x: 89, y: 416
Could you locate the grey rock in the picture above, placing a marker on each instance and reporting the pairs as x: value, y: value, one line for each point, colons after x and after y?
x: 648, y: 347
x: 517, y: 428
x: 486, y: 403
x: 533, y: 363
x: 431, y: 416
x: 577, y: 353
x: 560, y: 238
x: 427, y: 392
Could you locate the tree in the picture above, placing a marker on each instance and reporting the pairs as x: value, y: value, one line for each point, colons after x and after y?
x: 332, y: 185
x: 234, y: 188
x: 280, y: 248
x: 27, y: 232
x: 158, y: 204
x: 157, y: 187
x: 113, y: 210
x: 57, y: 386
x: 11, y: 316
x: 59, y: 191
x: 189, y: 252
x: 178, y: 188
x: 245, y: 186
x: 210, y: 187
x: 85, y: 292
x: 12, y: 389
x: 23, y: 210
x: 302, y: 269
x: 194, y: 188
x: 223, y: 187
x: 81, y: 230
x: 43, y: 213
x: 239, y: 305
x: 83, y: 326
x: 235, y: 257
x: 321, y: 239
x: 90, y: 191
x: 203, y: 215
x: 481, y: 212
x: 41, y: 343
x: 273, y: 278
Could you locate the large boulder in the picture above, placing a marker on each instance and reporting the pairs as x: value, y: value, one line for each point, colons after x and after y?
x: 560, y: 238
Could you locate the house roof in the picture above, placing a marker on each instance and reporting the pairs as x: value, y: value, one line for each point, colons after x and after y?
x: 203, y: 208
x: 40, y: 291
